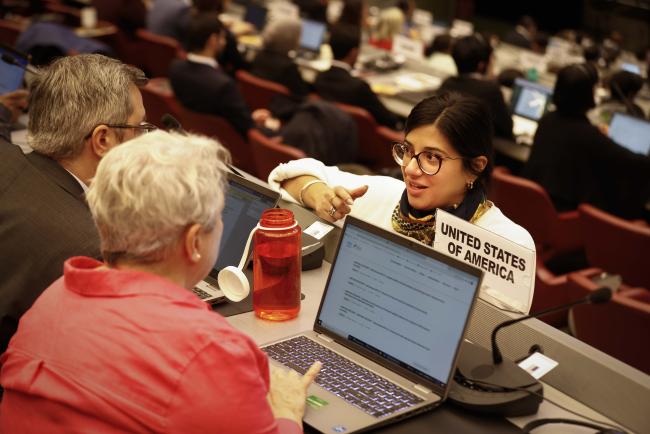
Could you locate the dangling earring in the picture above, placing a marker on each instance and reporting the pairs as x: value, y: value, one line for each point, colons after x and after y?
x: 455, y: 206
x: 470, y: 185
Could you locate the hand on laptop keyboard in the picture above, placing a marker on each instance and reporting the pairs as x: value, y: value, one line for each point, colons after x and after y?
x: 288, y: 391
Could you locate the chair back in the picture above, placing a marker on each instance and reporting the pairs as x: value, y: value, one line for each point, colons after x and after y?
x: 157, y: 52
x: 617, y: 246
x: 619, y: 327
x: 269, y: 153
x: 258, y: 92
x: 9, y: 32
x: 219, y: 128
x: 158, y: 99
x: 374, y: 141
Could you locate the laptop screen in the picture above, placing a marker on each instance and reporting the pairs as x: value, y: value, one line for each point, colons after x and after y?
x: 311, y: 37
x: 631, y: 133
x: 407, y: 305
x: 243, y: 208
x: 530, y: 100
x: 256, y: 15
x: 11, y: 76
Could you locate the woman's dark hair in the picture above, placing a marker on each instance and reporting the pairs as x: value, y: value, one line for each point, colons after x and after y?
x: 574, y: 89
x: 352, y: 12
x: 467, y: 124
x: 625, y: 84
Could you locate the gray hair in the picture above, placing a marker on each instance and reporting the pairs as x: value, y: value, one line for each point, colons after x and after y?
x: 148, y: 190
x: 75, y: 94
x: 282, y: 35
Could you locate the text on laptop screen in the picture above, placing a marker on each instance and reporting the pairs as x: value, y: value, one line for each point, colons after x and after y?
x: 631, y: 133
x: 11, y: 76
x: 312, y: 35
x: 241, y: 212
x: 399, y: 303
x: 530, y: 100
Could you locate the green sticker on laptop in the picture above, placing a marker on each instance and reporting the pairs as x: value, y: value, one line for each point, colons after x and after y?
x: 316, y: 402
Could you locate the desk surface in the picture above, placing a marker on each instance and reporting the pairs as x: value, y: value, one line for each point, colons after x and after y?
x: 446, y: 418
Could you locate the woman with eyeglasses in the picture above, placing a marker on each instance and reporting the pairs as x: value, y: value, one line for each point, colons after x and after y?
x: 446, y: 161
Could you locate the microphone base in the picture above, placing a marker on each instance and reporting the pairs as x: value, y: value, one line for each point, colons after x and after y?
x: 476, y: 364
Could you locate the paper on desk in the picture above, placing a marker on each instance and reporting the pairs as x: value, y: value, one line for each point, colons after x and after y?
x: 538, y: 365
x: 318, y: 230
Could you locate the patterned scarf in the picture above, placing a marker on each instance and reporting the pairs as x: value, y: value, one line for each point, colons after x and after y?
x: 420, y: 224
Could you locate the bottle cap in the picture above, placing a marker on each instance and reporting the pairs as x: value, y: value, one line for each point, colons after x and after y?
x: 234, y: 284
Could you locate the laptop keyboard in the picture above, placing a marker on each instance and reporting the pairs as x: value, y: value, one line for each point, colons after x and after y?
x: 368, y: 391
x: 202, y: 294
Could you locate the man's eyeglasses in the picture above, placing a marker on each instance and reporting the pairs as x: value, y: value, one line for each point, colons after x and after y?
x: 142, y: 127
x: 429, y: 162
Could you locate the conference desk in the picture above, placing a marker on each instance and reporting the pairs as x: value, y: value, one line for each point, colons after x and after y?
x: 586, y: 380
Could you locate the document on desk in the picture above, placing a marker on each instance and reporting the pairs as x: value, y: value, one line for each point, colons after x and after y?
x: 538, y: 365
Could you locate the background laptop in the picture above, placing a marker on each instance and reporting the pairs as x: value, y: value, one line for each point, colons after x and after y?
x: 256, y: 15
x: 529, y: 103
x: 388, y: 330
x: 631, y: 133
x: 245, y: 201
x: 11, y: 76
x: 311, y: 38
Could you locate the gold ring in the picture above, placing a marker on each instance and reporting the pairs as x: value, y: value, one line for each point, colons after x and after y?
x: 332, y: 211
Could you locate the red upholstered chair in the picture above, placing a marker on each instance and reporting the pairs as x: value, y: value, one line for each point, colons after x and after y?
x: 258, y: 92
x: 617, y: 246
x: 270, y: 152
x: 158, y: 99
x: 219, y: 128
x: 9, y: 32
x: 528, y: 204
x: 374, y: 141
x: 157, y: 53
x: 618, y: 328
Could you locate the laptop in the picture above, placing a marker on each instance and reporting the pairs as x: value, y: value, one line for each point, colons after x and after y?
x: 529, y: 103
x: 311, y: 38
x: 388, y: 330
x: 244, y: 203
x: 11, y: 76
x: 631, y: 133
x: 256, y: 15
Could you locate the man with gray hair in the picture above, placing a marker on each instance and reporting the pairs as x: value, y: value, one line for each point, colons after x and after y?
x: 80, y: 107
x: 273, y: 62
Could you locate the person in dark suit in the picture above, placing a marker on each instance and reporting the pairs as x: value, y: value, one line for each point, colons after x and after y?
x: 200, y: 84
x: 472, y: 55
x: 273, y: 62
x: 80, y: 108
x: 524, y: 34
x: 576, y: 163
x: 337, y: 84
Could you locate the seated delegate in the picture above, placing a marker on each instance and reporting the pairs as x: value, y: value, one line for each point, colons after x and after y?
x: 125, y: 345
x: 446, y: 163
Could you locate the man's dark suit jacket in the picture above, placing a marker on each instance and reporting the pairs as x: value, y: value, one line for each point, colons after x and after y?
x: 490, y: 93
x: 44, y: 220
x: 204, y: 89
x: 337, y: 84
x: 280, y: 69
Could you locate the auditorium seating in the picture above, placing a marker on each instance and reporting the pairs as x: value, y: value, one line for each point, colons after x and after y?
x: 157, y: 53
x: 218, y: 127
x: 258, y: 92
x: 375, y: 142
x: 617, y: 246
x: 9, y: 32
x: 619, y: 328
x: 269, y: 152
x: 158, y: 99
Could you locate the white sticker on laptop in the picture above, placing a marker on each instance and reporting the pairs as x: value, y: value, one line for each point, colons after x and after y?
x: 538, y: 365
x: 318, y: 230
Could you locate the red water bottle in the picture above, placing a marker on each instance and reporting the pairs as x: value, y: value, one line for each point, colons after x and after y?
x: 276, y: 266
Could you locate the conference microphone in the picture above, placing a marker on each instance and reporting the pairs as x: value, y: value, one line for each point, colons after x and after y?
x: 486, y: 383
x: 171, y: 123
x: 601, y: 295
x: 11, y: 60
